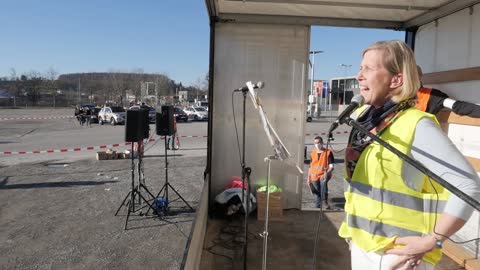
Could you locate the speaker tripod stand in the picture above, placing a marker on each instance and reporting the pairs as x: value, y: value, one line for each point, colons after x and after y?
x: 167, y: 184
x: 135, y: 192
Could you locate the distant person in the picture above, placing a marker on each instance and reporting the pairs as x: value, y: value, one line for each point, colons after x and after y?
x: 432, y: 100
x: 81, y: 116
x: 88, y: 117
x: 320, y: 172
x: 77, y: 113
x: 174, y: 137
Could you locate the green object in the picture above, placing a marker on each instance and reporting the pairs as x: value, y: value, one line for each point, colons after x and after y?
x: 271, y: 189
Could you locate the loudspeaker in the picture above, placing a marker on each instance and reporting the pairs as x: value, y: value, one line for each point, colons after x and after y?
x: 164, y: 121
x: 134, y: 126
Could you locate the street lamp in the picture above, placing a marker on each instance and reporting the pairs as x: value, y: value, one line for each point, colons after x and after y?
x: 313, y: 76
x: 312, y: 64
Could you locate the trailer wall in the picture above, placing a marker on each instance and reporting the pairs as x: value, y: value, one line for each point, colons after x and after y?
x: 277, y: 55
x: 450, y: 45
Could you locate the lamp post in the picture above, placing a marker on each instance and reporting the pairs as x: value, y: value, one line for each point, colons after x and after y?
x: 313, y: 77
x: 346, y: 70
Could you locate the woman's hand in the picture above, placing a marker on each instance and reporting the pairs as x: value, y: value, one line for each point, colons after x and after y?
x: 406, y: 262
x: 411, y: 254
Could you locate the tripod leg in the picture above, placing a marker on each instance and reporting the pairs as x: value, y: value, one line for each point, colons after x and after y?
x: 180, y: 196
x: 158, y: 194
x: 143, y: 198
x: 148, y: 191
x: 128, y: 213
x: 123, y: 202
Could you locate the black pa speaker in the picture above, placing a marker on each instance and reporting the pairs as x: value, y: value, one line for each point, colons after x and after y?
x: 164, y: 121
x: 135, y: 126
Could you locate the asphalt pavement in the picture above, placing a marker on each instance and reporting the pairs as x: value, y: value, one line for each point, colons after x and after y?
x: 57, y: 209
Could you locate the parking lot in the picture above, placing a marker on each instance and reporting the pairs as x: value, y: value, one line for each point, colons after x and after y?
x: 57, y: 209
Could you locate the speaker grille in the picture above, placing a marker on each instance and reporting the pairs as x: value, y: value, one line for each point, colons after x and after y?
x: 136, y: 127
x: 164, y: 121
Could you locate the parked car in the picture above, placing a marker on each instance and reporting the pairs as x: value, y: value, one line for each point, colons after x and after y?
x: 151, y: 112
x: 94, y: 116
x: 113, y: 115
x: 180, y: 115
x: 197, y: 113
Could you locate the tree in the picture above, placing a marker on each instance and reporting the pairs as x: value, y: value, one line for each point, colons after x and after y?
x: 33, y: 84
x: 14, y: 86
x: 51, y: 83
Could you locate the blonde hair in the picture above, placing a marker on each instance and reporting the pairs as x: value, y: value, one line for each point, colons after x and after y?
x: 399, y: 58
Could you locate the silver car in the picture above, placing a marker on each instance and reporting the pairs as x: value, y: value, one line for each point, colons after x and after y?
x: 197, y: 113
x: 112, y: 115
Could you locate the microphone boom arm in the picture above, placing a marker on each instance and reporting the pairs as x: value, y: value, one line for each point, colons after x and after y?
x: 460, y: 194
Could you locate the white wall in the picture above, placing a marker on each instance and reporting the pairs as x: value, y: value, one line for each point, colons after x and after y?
x: 277, y: 55
x: 453, y: 43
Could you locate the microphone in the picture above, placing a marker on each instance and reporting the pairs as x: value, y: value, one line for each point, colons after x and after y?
x: 258, y: 85
x: 357, y: 101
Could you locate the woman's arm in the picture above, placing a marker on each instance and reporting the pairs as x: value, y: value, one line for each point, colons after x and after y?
x: 444, y: 159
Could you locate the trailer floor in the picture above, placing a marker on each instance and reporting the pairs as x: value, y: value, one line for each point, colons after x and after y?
x: 290, y: 245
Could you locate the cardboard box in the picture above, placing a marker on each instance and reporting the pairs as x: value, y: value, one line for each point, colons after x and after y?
x: 275, y: 209
x: 102, y: 155
x: 123, y: 155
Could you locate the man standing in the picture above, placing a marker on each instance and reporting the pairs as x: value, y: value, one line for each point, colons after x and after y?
x: 174, y: 137
x: 320, y: 172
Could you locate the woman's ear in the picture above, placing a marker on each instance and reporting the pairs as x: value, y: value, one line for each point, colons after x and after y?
x: 396, y: 81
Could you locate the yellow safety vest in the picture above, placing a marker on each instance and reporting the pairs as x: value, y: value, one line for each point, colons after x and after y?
x: 379, y: 205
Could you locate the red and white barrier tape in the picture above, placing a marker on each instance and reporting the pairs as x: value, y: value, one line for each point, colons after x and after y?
x: 90, y: 148
x: 34, y: 118
x: 324, y: 133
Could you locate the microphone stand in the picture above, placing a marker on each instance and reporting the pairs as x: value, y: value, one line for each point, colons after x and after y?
x: 472, y: 202
x: 246, y: 171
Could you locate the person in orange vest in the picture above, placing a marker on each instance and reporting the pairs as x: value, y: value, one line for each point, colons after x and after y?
x: 432, y: 100
x: 320, y: 172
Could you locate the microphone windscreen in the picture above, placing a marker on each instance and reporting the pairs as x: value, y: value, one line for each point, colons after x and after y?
x: 358, y: 99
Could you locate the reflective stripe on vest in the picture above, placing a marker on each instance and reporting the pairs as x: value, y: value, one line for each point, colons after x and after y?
x: 379, y: 204
x: 378, y: 228
x: 398, y: 199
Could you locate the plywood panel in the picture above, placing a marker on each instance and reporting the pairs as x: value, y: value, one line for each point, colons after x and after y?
x: 461, y: 256
x: 457, y: 75
x: 453, y: 118
x: 475, y: 163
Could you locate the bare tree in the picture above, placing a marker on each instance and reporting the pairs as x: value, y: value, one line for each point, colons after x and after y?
x: 51, y: 83
x: 33, y: 84
x: 14, y: 86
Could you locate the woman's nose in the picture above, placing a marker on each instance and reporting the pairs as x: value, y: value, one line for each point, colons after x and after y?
x: 359, y: 75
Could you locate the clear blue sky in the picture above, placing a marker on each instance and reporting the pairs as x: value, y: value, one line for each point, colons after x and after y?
x: 158, y: 36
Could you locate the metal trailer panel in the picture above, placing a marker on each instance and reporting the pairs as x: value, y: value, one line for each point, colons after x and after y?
x: 452, y: 43
x: 277, y: 55
x: 396, y: 14
x: 449, y: 43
